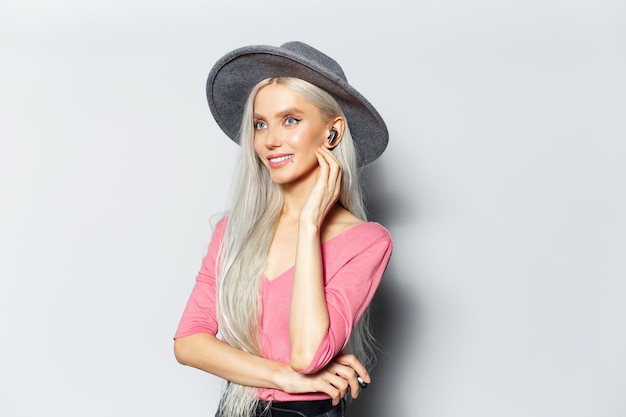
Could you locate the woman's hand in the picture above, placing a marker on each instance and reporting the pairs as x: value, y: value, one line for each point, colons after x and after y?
x: 308, y: 314
x: 325, y: 192
x: 204, y: 351
x: 357, y: 370
x: 334, y: 380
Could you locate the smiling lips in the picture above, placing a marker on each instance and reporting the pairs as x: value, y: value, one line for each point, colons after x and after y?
x: 279, y: 161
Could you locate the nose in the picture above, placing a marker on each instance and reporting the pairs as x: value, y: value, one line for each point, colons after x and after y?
x: 272, y: 139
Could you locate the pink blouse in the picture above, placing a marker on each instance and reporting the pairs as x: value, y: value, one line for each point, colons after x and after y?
x: 354, y: 263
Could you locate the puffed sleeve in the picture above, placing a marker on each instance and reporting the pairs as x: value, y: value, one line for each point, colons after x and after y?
x: 349, y: 291
x: 199, y: 315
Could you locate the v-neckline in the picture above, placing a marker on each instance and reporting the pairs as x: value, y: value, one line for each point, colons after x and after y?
x: 265, y: 278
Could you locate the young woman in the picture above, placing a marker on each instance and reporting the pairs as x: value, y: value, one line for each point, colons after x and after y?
x: 293, y: 266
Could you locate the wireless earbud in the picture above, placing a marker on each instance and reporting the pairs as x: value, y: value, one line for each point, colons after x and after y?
x: 332, y: 136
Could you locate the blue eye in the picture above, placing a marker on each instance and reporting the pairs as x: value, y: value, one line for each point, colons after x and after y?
x: 290, y: 121
x: 259, y: 125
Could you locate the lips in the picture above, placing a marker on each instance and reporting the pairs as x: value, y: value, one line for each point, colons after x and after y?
x: 277, y: 161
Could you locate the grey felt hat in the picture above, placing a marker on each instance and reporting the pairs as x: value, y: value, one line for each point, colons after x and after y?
x: 235, y: 74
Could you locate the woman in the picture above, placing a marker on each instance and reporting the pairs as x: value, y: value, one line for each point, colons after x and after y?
x: 291, y: 269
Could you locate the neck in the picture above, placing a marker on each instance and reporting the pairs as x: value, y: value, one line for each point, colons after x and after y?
x: 295, y: 195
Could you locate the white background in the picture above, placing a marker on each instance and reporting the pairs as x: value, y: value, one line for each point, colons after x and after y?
x: 503, y: 186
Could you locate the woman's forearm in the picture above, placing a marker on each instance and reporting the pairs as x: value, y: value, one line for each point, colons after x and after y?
x: 308, y: 318
x: 206, y: 352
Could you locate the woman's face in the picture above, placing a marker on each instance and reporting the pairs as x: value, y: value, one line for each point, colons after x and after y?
x: 288, y: 130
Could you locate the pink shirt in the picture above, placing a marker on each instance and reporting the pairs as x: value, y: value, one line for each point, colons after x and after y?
x: 354, y: 262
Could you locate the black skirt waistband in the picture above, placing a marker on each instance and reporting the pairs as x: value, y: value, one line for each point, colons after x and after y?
x: 308, y: 408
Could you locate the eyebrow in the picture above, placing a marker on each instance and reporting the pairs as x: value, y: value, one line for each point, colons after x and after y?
x: 282, y: 113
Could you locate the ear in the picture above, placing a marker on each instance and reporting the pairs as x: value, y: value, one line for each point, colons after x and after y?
x: 335, y: 132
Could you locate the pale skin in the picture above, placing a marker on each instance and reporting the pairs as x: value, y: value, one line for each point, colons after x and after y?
x: 291, y: 140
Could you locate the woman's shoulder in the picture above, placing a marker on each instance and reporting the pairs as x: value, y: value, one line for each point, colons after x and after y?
x: 219, y: 223
x: 368, y: 241
x: 348, y: 228
x: 368, y: 232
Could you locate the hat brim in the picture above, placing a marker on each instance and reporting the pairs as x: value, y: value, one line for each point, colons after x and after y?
x: 234, y: 76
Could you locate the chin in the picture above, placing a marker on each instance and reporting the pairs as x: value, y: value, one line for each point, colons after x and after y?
x: 286, y: 177
x: 278, y: 180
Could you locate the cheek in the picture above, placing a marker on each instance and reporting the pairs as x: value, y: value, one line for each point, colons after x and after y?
x: 306, y: 140
x: 258, y: 146
x: 259, y: 152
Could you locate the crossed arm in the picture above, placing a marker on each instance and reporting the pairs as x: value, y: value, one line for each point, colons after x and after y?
x: 206, y: 352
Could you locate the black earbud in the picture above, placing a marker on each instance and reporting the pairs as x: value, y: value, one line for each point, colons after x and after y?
x: 332, y: 136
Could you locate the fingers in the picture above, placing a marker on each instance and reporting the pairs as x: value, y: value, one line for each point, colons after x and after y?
x: 333, y: 385
x: 353, y: 371
x: 353, y: 362
x: 330, y: 170
x: 329, y: 163
x: 341, y: 375
x: 349, y: 375
x: 327, y: 188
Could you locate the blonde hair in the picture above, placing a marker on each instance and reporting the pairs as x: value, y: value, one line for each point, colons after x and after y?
x: 255, y: 206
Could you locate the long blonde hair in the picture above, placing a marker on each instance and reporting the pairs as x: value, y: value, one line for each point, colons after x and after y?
x: 255, y: 206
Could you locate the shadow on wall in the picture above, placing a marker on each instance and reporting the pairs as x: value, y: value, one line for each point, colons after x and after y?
x: 395, y: 313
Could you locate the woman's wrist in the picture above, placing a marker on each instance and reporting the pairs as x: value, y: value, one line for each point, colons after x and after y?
x: 284, y: 378
x: 307, y: 227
